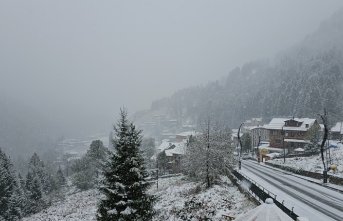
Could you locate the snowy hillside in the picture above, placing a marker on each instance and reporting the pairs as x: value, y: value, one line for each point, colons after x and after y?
x: 76, y: 207
x: 178, y: 199
x: 183, y: 200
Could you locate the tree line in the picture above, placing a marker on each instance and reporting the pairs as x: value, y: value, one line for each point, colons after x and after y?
x: 21, y: 196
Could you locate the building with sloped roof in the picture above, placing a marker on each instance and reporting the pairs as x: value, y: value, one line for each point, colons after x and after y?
x: 291, y: 133
x: 337, y: 131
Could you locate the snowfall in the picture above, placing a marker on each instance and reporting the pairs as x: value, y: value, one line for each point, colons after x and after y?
x: 178, y: 199
x: 314, y: 163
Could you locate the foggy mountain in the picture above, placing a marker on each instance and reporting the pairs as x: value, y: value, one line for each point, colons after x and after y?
x: 300, y: 81
x: 64, y: 86
x: 23, y: 130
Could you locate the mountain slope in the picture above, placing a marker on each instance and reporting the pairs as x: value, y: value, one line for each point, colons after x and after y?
x: 301, y: 81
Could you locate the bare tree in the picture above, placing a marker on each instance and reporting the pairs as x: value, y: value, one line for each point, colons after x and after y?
x: 209, y: 154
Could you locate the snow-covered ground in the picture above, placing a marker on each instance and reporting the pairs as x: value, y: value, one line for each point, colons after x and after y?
x: 178, y: 199
x: 314, y: 163
x: 76, y: 207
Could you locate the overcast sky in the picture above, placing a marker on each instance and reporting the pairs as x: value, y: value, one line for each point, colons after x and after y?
x: 82, y: 60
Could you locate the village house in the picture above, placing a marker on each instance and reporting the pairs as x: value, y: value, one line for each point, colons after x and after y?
x: 171, y: 151
x: 336, y: 131
x: 259, y: 132
x: 252, y: 127
x: 174, y: 156
x: 291, y: 133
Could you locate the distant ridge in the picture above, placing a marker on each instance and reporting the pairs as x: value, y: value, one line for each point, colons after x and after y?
x: 300, y: 81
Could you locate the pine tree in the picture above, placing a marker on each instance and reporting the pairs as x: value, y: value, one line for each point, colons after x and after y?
x: 37, y: 167
x: 88, y: 169
x: 38, y: 184
x: 124, y: 185
x: 34, y: 193
x: 60, y: 179
x: 97, y: 155
x: 22, y: 193
x: 10, y: 193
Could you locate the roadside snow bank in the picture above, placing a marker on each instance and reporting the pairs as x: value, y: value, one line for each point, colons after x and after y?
x: 314, y: 163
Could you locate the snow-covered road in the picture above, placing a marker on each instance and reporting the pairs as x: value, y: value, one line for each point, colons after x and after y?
x: 311, y: 200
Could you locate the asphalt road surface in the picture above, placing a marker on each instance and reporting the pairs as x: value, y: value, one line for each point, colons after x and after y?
x: 308, y: 199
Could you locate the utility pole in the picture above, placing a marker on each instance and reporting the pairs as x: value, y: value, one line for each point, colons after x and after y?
x: 340, y: 133
x: 208, y: 155
x: 157, y: 173
x: 329, y: 149
x: 258, y: 150
x: 283, y: 145
x: 324, y: 119
x: 240, y: 144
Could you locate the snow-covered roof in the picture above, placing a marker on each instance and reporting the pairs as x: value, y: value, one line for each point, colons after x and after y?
x: 266, y: 211
x: 257, y: 119
x: 272, y: 155
x: 164, y: 145
x: 258, y: 127
x: 338, y: 127
x: 234, y: 133
x: 297, y: 141
x: 272, y: 149
x: 234, y: 130
x: 263, y: 145
x: 321, y: 127
x: 249, y: 127
x: 188, y: 133
x: 334, y: 143
x: 179, y: 149
x: 278, y: 123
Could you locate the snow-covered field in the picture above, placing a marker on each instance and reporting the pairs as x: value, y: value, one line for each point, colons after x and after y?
x: 314, y: 163
x: 178, y: 199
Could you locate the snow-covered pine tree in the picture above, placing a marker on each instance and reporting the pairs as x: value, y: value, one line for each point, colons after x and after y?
x: 22, y: 192
x: 60, y: 179
x: 10, y: 193
x: 38, y: 184
x: 124, y: 184
x: 34, y: 193
x: 97, y: 155
x: 87, y: 170
x: 37, y: 167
